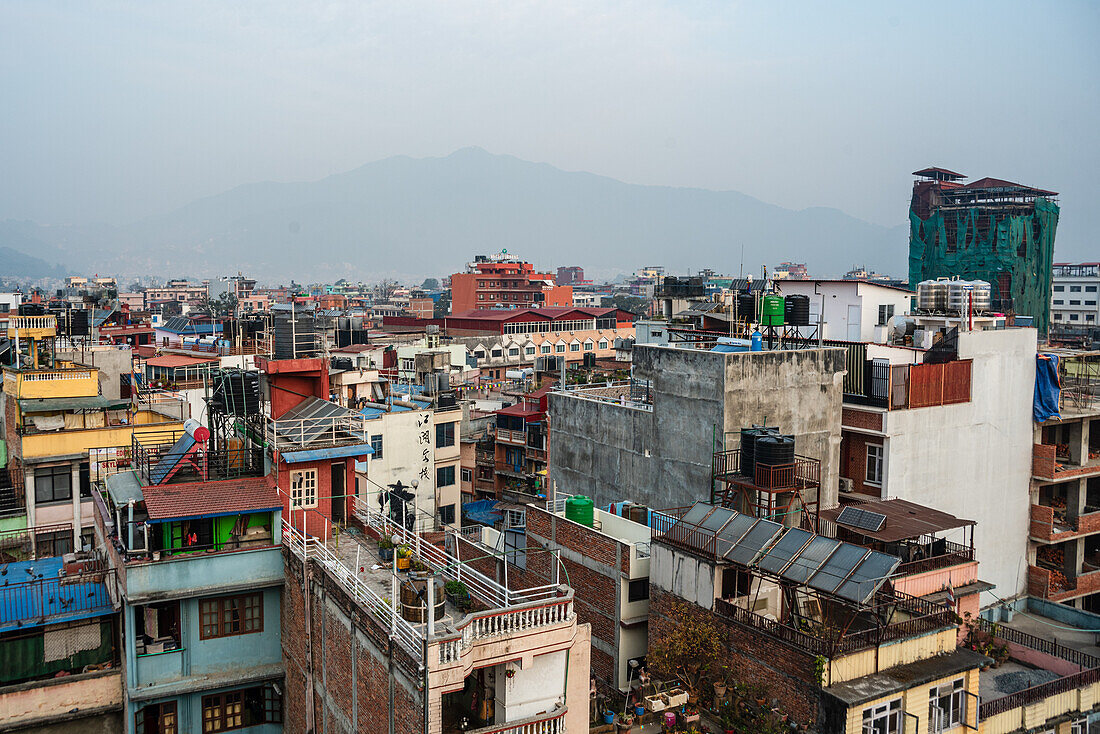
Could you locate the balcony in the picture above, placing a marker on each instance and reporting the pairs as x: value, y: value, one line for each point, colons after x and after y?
x: 518, y: 438
x: 552, y: 722
x: 1048, y: 466
x: 67, y: 380
x: 48, y: 591
x: 904, y: 386
x: 156, y: 460
x: 803, y: 473
x: 32, y: 327
x: 1051, y: 525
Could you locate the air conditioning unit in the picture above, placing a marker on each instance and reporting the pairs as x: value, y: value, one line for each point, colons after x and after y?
x: 846, y: 485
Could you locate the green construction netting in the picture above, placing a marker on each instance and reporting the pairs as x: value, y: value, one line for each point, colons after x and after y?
x: 987, y: 245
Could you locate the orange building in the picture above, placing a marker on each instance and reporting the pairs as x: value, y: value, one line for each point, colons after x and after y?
x: 503, y: 281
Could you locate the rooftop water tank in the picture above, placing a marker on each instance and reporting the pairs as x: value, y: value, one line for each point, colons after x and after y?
x: 772, y: 312
x: 796, y: 309
x: 746, y: 307
x: 774, y: 450
x: 580, y: 509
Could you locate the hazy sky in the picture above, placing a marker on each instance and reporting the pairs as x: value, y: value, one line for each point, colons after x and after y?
x: 115, y: 111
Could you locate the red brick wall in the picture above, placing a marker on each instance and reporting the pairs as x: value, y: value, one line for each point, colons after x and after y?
x: 861, y: 419
x: 341, y: 663
x: 853, y: 460
x: 752, y: 657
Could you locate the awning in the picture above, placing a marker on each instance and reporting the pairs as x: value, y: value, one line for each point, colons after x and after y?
x: 123, y: 487
x: 336, y: 452
x: 57, y: 405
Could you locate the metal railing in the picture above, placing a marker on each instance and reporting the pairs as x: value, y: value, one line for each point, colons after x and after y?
x: 803, y: 473
x: 43, y: 600
x: 149, y: 448
x: 1050, y: 647
x: 40, y: 541
x: 552, y: 722
x: 290, y: 434
x: 1038, y: 693
x: 955, y: 555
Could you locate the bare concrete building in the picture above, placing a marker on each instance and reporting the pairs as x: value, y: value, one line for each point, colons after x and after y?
x: 658, y: 436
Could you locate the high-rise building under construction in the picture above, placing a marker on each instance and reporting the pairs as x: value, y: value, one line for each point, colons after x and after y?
x: 991, y: 230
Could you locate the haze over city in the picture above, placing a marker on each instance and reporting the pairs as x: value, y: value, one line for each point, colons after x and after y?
x: 120, y: 112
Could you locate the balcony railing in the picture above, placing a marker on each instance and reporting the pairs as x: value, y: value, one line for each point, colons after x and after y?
x: 43, y: 600
x: 956, y: 554
x: 1038, y: 693
x: 552, y: 722
x: 494, y: 623
x: 22, y: 326
x: 803, y: 473
x: 41, y: 541
x: 294, y: 434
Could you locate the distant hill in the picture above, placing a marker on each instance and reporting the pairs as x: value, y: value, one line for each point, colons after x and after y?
x: 426, y: 217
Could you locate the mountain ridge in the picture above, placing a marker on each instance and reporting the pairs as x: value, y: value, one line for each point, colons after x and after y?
x: 418, y: 217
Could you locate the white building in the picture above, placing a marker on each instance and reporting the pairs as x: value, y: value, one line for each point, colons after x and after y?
x: 850, y: 310
x: 9, y: 302
x: 1076, y: 291
x: 956, y: 437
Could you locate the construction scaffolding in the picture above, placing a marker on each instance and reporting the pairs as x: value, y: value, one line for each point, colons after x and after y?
x: 990, y: 230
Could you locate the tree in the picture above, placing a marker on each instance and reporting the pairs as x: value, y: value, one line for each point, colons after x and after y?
x: 691, y: 648
x: 430, y: 284
x: 632, y: 304
x: 385, y: 289
x: 442, y: 306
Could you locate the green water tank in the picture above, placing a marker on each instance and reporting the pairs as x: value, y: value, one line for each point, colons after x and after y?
x: 579, y: 508
x: 771, y: 314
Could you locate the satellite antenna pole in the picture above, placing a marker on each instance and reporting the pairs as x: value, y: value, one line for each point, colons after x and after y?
x: 742, y: 260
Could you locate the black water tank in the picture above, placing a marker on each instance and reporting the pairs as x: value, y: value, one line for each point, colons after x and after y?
x: 749, y: 437
x: 32, y: 309
x: 746, y: 307
x: 774, y: 450
x: 796, y: 310
x: 78, y: 322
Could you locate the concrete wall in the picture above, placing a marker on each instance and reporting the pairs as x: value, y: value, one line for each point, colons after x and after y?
x: 47, y: 703
x: 662, y: 457
x: 405, y: 438
x: 974, y: 459
x: 111, y: 361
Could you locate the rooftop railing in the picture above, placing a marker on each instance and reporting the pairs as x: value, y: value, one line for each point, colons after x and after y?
x: 294, y: 434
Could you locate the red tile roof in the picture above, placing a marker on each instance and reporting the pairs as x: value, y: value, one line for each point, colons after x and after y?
x: 937, y: 169
x: 177, y: 360
x: 1000, y: 183
x: 200, y: 499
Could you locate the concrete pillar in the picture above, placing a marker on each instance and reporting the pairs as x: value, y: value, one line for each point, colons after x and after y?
x: 1075, y: 500
x: 75, y: 481
x: 1079, y: 442
x: 1075, y: 556
x: 28, y: 493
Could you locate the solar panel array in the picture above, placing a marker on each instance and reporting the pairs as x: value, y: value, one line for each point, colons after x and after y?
x: 854, y: 517
x: 849, y: 571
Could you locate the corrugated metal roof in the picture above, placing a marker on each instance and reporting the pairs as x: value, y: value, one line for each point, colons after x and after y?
x: 123, y: 487
x: 50, y: 405
x: 177, y: 360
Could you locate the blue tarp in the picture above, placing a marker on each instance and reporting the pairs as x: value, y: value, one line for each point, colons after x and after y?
x: 1047, y: 388
x: 482, y: 511
x: 24, y: 604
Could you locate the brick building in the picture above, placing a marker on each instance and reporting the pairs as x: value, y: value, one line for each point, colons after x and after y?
x: 504, y: 281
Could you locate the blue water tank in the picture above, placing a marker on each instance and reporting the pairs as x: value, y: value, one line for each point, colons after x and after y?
x: 757, y: 342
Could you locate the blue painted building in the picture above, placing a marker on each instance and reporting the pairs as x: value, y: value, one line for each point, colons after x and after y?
x: 194, y: 531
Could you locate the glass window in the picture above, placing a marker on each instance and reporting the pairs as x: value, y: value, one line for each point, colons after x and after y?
x: 1073, y: 317
x: 874, y: 464
x: 157, y: 627
x: 946, y: 705
x: 1090, y: 303
x: 1057, y: 317
x: 444, y: 476
x: 1090, y: 317
x: 1059, y: 301
x: 156, y: 718
x: 227, y: 616
x: 447, y: 514
x: 574, y: 347
x: 638, y: 590
x: 1075, y: 302
x: 444, y: 435
x: 883, y: 719
x: 513, y: 352
x: 1059, y: 288
x: 559, y: 348
x: 376, y: 444
x: 497, y: 353
x: 303, y: 488
x: 1075, y: 289
x: 53, y: 483
x: 545, y: 349
x: 885, y: 313
x: 588, y: 345
x: 241, y: 708
x: 467, y: 475
x: 529, y: 351
x: 603, y: 343
x: 1090, y: 289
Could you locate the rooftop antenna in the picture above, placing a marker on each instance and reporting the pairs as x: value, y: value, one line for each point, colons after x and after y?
x: 742, y: 274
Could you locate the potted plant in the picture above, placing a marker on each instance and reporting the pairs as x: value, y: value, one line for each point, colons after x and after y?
x: 403, y: 560
x: 385, y: 549
x: 720, y: 689
x: 691, y: 714
x: 455, y: 591
x: 608, y: 716
x: 625, y: 723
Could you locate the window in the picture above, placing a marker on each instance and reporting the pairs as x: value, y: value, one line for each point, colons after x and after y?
x: 157, y: 628
x: 883, y: 719
x: 497, y: 353
x: 945, y: 705
x: 1073, y: 317
x: 1090, y: 289
x: 588, y: 345
x: 447, y: 514
x: 444, y: 476
x: 1090, y: 317
x: 529, y: 351
x: 638, y: 590
x: 885, y: 313
x: 376, y: 444
x: 575, y: 347
x: 1075, y: 289
x: 444, y: 435
x: 559, y: 348
x: 1059, y: 301
x: 1059, y: 288
x: 481, y: 296
x: 467, y: 475
x: 53, y: 484
x: 874, y: 464
x: 238, y: 709
x: 303, y: 488
x: 1090, y: 303
x: 545, y: 349
x: 156, y: 718
x: 513, y: 352
x: 1057, y: 317
x: 227, y: 616
x: 1075, y: 302
x: 603, y: 344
